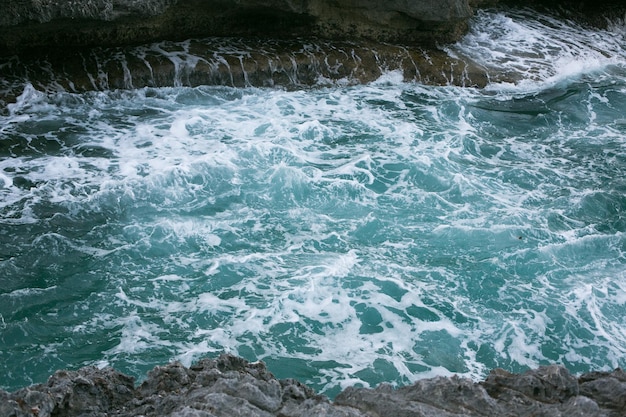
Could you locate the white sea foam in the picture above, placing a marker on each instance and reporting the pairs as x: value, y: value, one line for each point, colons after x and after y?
x: 537, y: 50
x: 29, y: 97
x: 385, y: 232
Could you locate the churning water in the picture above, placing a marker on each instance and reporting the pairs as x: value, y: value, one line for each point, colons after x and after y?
x: 342, y: 234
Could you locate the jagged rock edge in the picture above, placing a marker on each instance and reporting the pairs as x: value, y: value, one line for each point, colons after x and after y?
x: 230, y: 385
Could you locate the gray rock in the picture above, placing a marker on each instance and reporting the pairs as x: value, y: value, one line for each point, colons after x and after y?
x: 547, y: 384
x: 432, y: 397
x: 86, y: 392
x: 230, y: 386
x: 580, y: 406
x: 608, y: 389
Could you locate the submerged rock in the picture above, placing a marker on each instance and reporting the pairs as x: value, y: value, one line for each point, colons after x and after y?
x: 232, y: 386
x: 234, y: 62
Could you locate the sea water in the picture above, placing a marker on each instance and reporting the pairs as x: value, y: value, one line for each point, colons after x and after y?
x: 344, y: 235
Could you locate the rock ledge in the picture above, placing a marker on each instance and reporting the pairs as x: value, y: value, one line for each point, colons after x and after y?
x: 40, y: 25
x: 231, y: 386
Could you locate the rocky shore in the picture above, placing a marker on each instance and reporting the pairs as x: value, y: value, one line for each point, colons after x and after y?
x: 231, y: 386
x: 59, y: 26
x: 36, y: 25
x: 95, y: 45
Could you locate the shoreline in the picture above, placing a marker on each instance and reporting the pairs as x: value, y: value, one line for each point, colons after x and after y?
x: 230, y: 385
x: 291, y: 62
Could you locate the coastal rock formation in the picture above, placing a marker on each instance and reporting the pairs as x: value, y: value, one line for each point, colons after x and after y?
x: 42, y: 11
x: 78, y: 46
x: 61, y: 26
x: 31, y: 25
x: 231, y: 386
x: 234, y: 63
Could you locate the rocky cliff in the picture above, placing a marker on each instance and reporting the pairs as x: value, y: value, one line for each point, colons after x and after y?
x: 86, y: 45
x: 230, y: 386
x: 62, y: 25
x: 38, y: 24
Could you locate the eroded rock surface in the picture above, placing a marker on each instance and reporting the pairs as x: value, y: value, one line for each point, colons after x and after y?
x: 43, y: 11
x: 231, y: 386
x: 289, y: 64
x: 34, y: 25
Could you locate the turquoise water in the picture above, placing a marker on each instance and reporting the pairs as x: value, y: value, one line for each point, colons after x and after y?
x: 343, y: 234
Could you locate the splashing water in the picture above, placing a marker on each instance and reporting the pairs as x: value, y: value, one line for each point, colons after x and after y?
x: 347, y: 234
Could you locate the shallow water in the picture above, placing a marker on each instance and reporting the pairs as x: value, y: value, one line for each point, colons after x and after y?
x: 345, y: 234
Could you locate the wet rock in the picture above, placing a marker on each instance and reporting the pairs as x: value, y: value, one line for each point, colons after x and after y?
x: 233, y: 62
x: 232, y: 386
x: 596, y: 13
x: 422, y: 22
x: 36, y: 25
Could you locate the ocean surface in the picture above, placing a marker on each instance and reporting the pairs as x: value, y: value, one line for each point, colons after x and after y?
x: 344, y: 234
